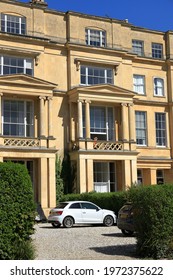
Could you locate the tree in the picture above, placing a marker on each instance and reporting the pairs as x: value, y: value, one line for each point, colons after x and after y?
x: 17, y: 212
x: 59, y: 180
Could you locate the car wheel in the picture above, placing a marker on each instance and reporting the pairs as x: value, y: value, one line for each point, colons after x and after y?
x: 68, y: 222
x: 108, y: 221
x: 56, y: 225
x: 127, y: 232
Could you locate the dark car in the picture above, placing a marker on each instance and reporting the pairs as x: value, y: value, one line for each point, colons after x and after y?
x: 125, y: 219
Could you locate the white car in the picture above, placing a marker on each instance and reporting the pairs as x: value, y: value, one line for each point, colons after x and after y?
x: 80, y: 212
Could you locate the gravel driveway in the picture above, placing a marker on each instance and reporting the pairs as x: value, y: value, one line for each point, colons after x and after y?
x: 82, y: 243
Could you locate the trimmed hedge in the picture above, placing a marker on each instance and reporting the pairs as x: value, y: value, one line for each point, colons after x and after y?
x: 17, y: 211
x: 153, y: 220
x: 112, y: 201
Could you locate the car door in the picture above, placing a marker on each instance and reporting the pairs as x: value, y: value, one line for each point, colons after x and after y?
x: 75, y: 211
x: 91, y: 213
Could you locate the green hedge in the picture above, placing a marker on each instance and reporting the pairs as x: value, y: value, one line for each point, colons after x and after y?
x: 112, y: 201
x: 153, y: 220
x: 17, y: 211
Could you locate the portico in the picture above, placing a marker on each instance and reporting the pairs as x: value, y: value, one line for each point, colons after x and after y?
x: 102, y: 137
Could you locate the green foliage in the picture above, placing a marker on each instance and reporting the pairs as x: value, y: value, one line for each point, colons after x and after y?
x: 153, y: 220
x: 112, y: 201
x: 17, y: 208
x: 68, y: 174
x: 59, y: 180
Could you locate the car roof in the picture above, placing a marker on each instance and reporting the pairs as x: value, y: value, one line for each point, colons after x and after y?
x: 75, y: 201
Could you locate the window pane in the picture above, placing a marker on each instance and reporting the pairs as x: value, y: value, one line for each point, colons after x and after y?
x: 157, y: 50
x: 160, y: 122
x: 16, y: 115
x: 95, y: 37
x: 140, y: 128
x: 137, y: 47
x: 139, y: 84
x: 14, y: 65
x: 13, y: 24
x: 158, y: 87
x: 95, y: 75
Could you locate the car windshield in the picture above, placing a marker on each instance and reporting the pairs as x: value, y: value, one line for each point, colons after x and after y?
x: 62, y: 205
x: 127, y: 207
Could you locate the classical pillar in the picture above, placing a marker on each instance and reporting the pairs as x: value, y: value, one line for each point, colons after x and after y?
x: 127, y: 173
x: 82, y: 175
x: 42, y: 116
x: 51, y: 182
x: 43, y: 183
x: 132, y: 133
x: 87, y: 118
x: 89, y: 175
x: 1, y: 94
x: 125, y: 126
x: 50, y: 132
x: 80, y: 119
x: 134, y: 171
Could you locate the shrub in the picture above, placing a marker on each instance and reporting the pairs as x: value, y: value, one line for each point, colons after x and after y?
x: 153, y: 220
x: 59, y: 180
x: 112, y: 201
x: 17, y: 209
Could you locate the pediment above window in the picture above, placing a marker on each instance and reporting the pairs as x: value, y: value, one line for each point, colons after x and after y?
x: 21, y: 83
x: 102, y: 93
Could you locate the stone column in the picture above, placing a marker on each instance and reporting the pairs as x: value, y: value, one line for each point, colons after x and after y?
x: 87, y: 118
x: 50, y: 132
x: 1, y: 94
x: 127, y: 173
x: 89, y: 175
x: 132, y: 133
x: 82, y: 175
x: 134, y: 171
x: 80, y: 119
x: 51, y: 182
x: 72, y: 122
x: 125, y: 126
x: 43, y: 183
x: 42, y: 116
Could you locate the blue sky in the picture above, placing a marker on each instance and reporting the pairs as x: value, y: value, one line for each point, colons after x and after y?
x: 152, y: 14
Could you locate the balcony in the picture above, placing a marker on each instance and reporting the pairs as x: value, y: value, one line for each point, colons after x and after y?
x: 83, y: 144
x: 17, y: 142
x: 103, y: 146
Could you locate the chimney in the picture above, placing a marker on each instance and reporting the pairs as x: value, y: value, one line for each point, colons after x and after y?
x: 38, y: 2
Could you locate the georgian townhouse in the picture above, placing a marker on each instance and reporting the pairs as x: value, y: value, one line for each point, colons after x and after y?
x: 95, y: 88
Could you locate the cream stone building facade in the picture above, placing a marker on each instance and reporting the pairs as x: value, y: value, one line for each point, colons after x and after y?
x: 99, y: 89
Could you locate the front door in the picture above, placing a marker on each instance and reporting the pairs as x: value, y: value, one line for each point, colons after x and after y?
x: 104, y: 176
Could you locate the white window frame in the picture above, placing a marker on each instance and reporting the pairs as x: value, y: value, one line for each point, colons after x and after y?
x: 104, y: 77
x: 141, y: 128
x: 94, y: 131
x: 95, y: 37
x: 139, y: 84
x: 13, y: 24
x: 138, y: 47
x: 158, y: 86
x: 27, y: 65
x: 162, y: 142
x: 24, y: 123
x: 157, y: 50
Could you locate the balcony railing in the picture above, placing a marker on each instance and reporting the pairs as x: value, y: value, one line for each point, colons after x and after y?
x: 108, y: 146
x: 20, y: 142
x: 89, y: 145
